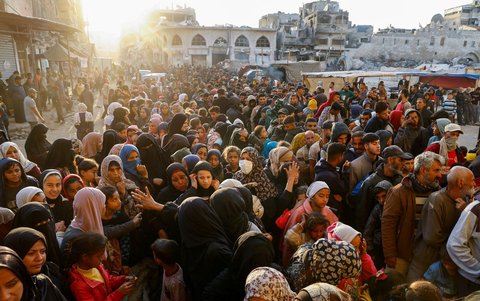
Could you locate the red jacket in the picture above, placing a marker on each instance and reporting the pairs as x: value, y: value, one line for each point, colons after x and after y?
x: 85, y: 289
x: 435, y: 148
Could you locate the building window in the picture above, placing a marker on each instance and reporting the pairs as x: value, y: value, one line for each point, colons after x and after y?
x: 198, y: 40
x: 220, y: 42
x: 394, y: 41
x: 406, y: 42
x: 176, y: 41
x: 432, y: 41
x: 263, y: 42
x: 442, y: 41
x: 464, y: 43
x: 383, y: 41
x: 322, y: 41
x: 418, y: 42
x: 242, y: 41
x: 473, y: 43
x: 338, y: 42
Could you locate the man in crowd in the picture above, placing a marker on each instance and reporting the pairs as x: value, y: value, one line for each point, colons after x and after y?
x: 398, y: 219
x: 439, y: 215
x: 380, y: 120
x: 389, y: 170
x: 412, y: 137
x: 32, y: 115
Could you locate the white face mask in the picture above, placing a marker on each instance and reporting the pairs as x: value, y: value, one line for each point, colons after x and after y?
x: 451, y: 143
x: 246, y: 166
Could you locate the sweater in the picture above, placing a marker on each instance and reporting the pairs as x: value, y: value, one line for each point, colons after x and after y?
x: 463, y: 245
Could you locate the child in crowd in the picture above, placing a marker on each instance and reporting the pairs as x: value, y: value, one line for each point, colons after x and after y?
x: 373, y: 228
x: 213, y: 157
x: 443, y: 274
x: 231, y: 155
x: 301, y: 195
x: 87, y: 170
x: 173, y: 286
x: 312, y: 228
x: 89, y: 280
x: 450, y: 106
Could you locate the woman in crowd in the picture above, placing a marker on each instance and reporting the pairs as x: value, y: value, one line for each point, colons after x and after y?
x: 154, y: 158
x: 178, y: 182
x: 61, y: 157
x: 31, y: 246
x: 251, y: 250
x: 88, y: 206
x: 12, y: 180
x: 143, y: 117
x: 61, y: 209
x: 206, y: 249
x: 251, y: 171
x: 200, y: 150
x: 266, y: 283
x: 112, y: 175
x: 92, y: 145
x: 29, y: 194
x: 11, y: 150
x: 37, y: 145
x: 37, y: 216
x: 133, y: 168
x: 14, y: 276
x: 110, y: 138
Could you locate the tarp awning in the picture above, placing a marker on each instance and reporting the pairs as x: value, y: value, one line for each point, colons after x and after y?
x: 56, y: 53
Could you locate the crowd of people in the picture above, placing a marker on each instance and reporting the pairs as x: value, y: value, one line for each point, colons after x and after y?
x: 206, y: 186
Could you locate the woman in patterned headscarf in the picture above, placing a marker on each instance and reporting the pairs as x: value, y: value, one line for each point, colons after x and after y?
x: 324, y: 261
x: 267, y: 283
x: 322, y: 292
x: 252, y: 172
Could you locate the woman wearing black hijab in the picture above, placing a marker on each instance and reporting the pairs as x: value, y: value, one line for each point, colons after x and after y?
x: 251, y: 250
x: 230, y: 208
x: 11, y: 266
x: 110, y: 138
x: 37, y: 145
x: 177, y: 181
x: 178, y: 125
x: 36, y: 216
x: 61, y: 157
x: 175, y: 143
x: 206, y: 249
x: 30, y: 245
x: 155, y: 159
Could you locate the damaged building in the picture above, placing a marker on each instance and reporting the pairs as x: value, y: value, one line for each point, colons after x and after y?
x: 452, y: 38
x: 318, y: 33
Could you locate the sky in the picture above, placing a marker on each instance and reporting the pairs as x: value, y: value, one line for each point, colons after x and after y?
x: 107, y: 19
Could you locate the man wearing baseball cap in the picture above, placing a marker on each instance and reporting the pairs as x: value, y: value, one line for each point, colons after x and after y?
x: 447, y: 147
x: 389, y: 170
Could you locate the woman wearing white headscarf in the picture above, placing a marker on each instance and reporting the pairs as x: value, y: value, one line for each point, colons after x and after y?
x: 11, y: 150
x: 83, y: 121
x: 29, y: 194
